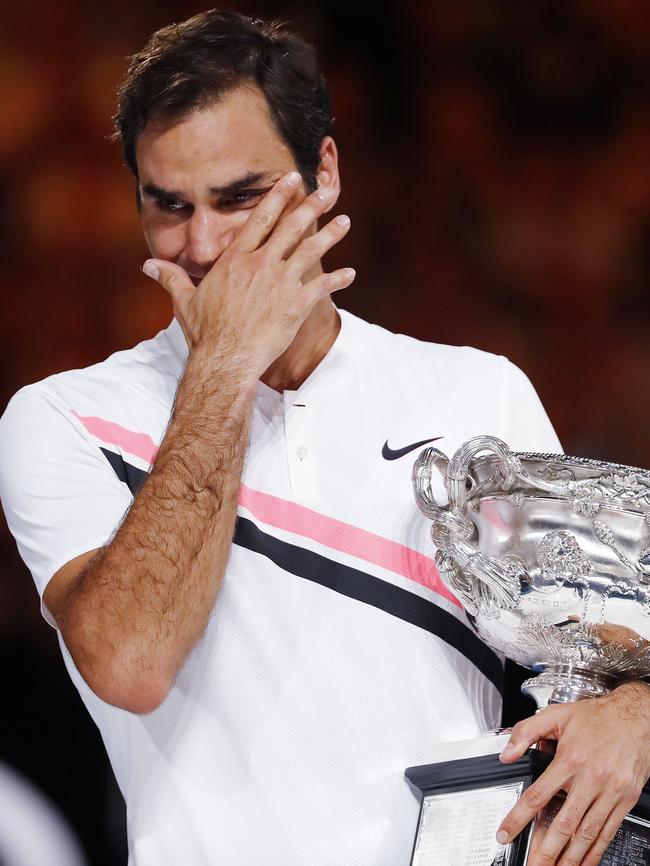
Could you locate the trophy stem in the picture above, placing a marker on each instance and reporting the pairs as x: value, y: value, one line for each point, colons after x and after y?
x: 564, y: 683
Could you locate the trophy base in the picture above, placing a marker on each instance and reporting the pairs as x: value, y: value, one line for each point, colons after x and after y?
x: 465, y: 799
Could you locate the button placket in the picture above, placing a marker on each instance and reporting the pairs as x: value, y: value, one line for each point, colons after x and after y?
x: 299, y: 439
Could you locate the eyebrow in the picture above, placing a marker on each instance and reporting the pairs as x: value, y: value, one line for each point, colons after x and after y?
x: 250, y: 179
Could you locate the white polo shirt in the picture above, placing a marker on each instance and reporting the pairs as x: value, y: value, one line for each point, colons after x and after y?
x: 334, y: 657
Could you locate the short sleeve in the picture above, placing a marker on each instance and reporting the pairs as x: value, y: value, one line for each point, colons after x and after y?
x: 59, y: 494
x: 525, y: 422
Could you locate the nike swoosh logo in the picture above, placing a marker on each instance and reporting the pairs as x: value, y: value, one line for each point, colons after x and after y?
x: 389, y: 454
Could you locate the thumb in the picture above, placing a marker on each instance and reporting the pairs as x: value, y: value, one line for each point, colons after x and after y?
x: 172, y: 278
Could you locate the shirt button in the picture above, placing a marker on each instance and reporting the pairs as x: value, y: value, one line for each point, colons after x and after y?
x: 301, y: 453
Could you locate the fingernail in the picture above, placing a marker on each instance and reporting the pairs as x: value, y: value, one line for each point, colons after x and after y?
x: 342, y: 220
x: 151, y: 269
x: 502, y: 837
x: 508, y: 750
x: 350, y: 273
x: 324, y: 194
x: 293, y: 179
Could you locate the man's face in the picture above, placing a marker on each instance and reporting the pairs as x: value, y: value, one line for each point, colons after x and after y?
x: 201, y: 176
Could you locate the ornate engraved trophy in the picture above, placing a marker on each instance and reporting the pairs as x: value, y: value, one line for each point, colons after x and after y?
x: 550, y: 556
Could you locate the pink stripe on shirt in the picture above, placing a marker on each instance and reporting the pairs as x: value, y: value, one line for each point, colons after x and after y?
x: 139, y: 444
x: 345, y: 538
x: 295, y: 518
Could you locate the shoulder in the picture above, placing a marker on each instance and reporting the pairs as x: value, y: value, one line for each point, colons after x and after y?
x: 410, y: 355
x: 140, y: 380
x: 465, y: 391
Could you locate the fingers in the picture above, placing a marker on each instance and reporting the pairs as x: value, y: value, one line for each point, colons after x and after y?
x: 607, y: 833
x: 325, y: 284
x: 570, y: 827
x: 266, y: 214
x: 601, y: 762
x: 179, y: 285
x: 542, y: 726
x: 293, y: 226
x: 312, y: 248
x: 172, y: 278
x: 532, y: 801
x: 588, y: 832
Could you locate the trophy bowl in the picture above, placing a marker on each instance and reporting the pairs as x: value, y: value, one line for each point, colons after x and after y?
x: 550, y: 557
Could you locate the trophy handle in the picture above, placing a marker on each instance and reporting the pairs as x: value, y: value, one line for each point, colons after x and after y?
x: 488, y: 584
x: 421, y: 477
x: 508, y: 466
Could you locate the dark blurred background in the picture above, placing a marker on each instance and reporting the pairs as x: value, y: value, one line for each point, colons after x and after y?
x: 496, y: 166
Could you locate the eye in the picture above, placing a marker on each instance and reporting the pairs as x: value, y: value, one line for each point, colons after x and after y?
x: 243, y: 199
x: 170, y: 205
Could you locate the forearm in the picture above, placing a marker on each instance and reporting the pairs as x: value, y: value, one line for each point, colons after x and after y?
x: 131, y: 617
x: 138, y: 608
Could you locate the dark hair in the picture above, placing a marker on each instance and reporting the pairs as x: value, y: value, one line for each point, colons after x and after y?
x: 191, y: 65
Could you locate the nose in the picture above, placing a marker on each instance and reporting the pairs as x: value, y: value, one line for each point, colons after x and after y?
x: 208, y: 235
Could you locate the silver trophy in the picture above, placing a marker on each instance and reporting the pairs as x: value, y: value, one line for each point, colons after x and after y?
x: 550, y: 557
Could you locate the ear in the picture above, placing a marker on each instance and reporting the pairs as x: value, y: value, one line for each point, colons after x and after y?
x: 327, y: 176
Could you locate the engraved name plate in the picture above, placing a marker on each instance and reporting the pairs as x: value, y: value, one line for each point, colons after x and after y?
x: 458, y: 828
x: 631, y: 845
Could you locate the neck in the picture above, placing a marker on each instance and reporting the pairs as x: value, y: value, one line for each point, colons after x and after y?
x: 308, y: 348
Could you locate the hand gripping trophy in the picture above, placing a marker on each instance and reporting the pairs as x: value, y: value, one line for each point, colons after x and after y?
x: 550, y: 556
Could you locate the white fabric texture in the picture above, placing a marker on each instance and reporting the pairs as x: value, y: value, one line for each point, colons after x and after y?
x: 323, y: 672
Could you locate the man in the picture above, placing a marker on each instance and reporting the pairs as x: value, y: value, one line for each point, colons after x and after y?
x: 221, y: 524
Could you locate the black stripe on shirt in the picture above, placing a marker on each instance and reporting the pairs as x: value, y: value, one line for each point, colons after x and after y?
x: 348, y: 581
x: 372, y: 590
x: 126, y: 472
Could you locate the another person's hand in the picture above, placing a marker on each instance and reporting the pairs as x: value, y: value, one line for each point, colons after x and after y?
x: 253, y: 300
x: 602, y: 762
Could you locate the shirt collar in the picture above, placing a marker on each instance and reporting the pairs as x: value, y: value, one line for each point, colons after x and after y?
x: 344, y: 346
